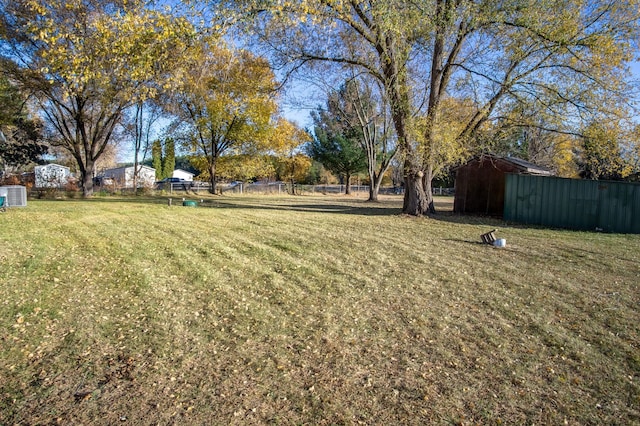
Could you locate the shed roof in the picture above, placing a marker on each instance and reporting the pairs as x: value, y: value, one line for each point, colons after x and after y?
x: 522, y: 165
x: 528, y: 167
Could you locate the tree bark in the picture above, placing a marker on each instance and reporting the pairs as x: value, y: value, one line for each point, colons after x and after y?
x: 86, y: 176
x: 212, y: 177
x: 415, y: 199
x: 347, y: 185
x: 427, y: 179
x: 374, y: 186
x: 396, y: 86
x: 136, y: 171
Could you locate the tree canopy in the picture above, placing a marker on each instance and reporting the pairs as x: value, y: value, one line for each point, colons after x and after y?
x: 225, y: 105
x: 568, y: 56
x: 20, y: 136
x: 452, y: 76
x: 359, y: 108
x: 86, y: 62
x: 336, y: 146
x: 601, y: 153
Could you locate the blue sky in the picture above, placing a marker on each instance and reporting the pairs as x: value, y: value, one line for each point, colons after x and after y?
x: 303, y: 98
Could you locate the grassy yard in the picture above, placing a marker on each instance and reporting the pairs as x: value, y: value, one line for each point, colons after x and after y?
x: 310, y: 310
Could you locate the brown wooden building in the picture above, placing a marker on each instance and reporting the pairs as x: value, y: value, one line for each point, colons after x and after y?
x: 480, y: 183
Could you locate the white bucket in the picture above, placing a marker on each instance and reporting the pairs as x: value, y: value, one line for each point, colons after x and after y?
x: 500, y: 242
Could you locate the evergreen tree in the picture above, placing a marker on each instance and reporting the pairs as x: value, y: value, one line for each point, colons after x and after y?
x: 169, y: 159
x: 336, y: 149
x: 20, y: 137
x: 156, y: 156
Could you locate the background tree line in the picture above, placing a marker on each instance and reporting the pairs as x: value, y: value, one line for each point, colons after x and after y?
x: 424, y: 84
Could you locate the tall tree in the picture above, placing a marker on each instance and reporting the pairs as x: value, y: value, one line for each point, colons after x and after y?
x: 86, y: 62
x: 163, y: 157
x: 601, y: 152
x: 568, y: 51
x: 20, y: 136
x: 286, y: 142
x: 242, y: 167
x: 140, y: 127
x: 446, y: 148
x: 336, y: 147
x: 225, y: 105
x: 365, y: 113
x: 528, y: 132
x: 169, y: 159
x: 156, y: 158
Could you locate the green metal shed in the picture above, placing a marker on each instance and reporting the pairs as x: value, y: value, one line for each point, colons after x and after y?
x: 572, y: 203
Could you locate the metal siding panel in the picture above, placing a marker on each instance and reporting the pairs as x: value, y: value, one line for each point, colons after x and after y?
x: 538, y: 188
x: 557, y: 205
x: 570, y: 202
x: 619, y: 207
x: 632, y: 207
x: 523, y: 199
x: 630, y: 210
x: 587, y: 206
x: 534, y: 200
x: 635, y: 210
x: 507, y: 213
x: 604, y: 197
x: 562, y: 200
x: 518, y: 199
x: 627, y: 211
x: 511, y: 199
x: 593, y: 204
x: 613, y: 214
x: 608, y: 203
x: 573, y: 203
x: 547, y: 209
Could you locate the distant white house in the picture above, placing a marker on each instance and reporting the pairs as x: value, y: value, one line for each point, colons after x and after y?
x: 183, y: 174
x: 123, y: 176
x: 51, y: 176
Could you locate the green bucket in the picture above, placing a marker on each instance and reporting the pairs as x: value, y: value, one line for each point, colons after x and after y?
x: 190, y: 203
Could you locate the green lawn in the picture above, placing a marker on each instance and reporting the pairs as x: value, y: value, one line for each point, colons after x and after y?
x: 310, y: 310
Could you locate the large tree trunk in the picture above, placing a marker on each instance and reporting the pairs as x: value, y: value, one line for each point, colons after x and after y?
x: 375, y: 181
x: 212, y: 177
x: 415, y: 200
x: 86, y: 177
x: 428, y: 191
x: 347, y: 187
x: 136, y: 172
x: 374, y: 186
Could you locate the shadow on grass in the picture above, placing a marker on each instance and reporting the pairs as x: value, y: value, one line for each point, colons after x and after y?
x: 359, y: 207
x: 347, y: 206
x: 472, y: 242
x: 363, y: 209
